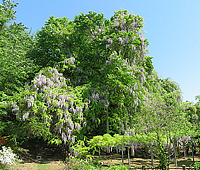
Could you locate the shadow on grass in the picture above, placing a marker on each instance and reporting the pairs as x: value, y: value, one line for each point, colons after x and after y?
x: 185, y: 162
x: 29, y: 155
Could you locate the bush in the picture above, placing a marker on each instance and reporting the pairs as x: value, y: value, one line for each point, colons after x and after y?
x: 7, y: 157
x: 7, y: 141
x: 121, y: 167
x: 197, y: 166
x: 76, y: 164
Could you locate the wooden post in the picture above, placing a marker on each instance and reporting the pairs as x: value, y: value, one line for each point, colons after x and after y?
x: 184, y: 167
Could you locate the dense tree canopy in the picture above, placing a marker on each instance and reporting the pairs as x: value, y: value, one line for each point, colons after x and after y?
x: 15, y: 67
x: 107, y: 57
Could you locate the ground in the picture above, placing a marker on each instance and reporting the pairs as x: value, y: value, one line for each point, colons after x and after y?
x: 51, y: 159
x: 139, y: 162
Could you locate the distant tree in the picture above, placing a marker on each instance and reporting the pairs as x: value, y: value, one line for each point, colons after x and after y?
x: 15, y: 67
x: 51, y: 45
x: 197, y: 98
x: 162, y: 115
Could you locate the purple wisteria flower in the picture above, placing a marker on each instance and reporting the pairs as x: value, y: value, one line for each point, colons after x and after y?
x: 117, y: 24
x: 107, y: 46
x: 142, y: 69
x: 119, y: 39
x: 104, y: 39
x: 110, y: 41
x: 126, y: 40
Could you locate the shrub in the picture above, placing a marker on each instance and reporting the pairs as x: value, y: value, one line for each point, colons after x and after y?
x: 197, y: 166
x: 76, y: 164
x: 7, y: 157
x: 121, y: 167
x: 7, y: 141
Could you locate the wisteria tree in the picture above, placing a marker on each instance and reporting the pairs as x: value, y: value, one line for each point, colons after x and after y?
x: 162, y: 114
x: 192, y: 116
x: 50, y: 108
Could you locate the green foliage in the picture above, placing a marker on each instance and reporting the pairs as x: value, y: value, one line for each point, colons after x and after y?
x: 93, y: 77
x: 15, y: 67
x: 3, y: 99
x: 51, y: 42
x: 49, y: 108
x: 8, y: 122
x: 95, y: 143
x: 81, y: 151
x: 104, y: 57
x: 76, y: 164
x: 4, y: 166
x: 8, y: 141
x: 121, y: 167
x: 197, y: 165
x: 7, y: 13
x: 162, y: 156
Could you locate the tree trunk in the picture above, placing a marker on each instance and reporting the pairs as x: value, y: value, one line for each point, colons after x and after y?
x: 122, y: 156
x: 175, y: 153
x: 132, y: 151
x: 107, y: 122
x: 193, y: 152
x: 152, y: 160
x: 184, y: 150
x: 169, y: 148
x: 99, y: 151
x: 129, y: 158
x: 131, y: 118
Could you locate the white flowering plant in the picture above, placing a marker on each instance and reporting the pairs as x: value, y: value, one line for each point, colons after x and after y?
x: 7, y: 156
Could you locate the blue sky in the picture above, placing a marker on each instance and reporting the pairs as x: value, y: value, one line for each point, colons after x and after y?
x: 172, y: 26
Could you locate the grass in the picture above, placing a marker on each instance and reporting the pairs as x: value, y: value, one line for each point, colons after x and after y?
x: 51, y: 165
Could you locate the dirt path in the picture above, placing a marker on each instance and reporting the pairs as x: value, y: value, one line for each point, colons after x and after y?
x: 116, y: 159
